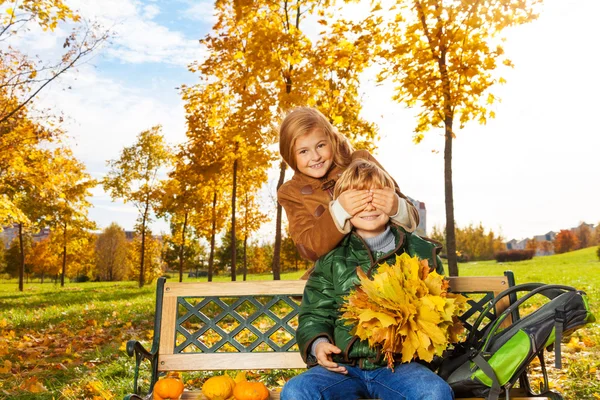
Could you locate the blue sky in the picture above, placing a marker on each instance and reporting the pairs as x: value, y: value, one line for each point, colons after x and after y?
x: 532, y: 169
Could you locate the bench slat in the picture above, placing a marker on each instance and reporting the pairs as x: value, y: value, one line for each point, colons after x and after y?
x: 226, y: 289
x: 230, y: 361
x: 168, y: 321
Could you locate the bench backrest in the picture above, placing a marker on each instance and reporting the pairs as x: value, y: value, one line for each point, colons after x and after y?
x: 251, y: 325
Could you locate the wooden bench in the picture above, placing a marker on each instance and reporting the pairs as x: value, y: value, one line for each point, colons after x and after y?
x: 250, y: 326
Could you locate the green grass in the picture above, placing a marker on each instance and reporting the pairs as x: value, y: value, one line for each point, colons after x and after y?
x: 68, y: 343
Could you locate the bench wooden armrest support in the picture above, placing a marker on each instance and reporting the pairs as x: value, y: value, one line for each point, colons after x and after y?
x: 201, y: 326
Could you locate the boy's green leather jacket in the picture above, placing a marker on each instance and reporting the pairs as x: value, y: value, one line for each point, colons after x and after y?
x: 333, y: 277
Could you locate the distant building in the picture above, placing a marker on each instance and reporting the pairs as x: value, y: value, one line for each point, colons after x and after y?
x: 9, y: 233
x: 548, y: 237
x: 544, y: 244
x: 422, y: 227
x: 515, y: 244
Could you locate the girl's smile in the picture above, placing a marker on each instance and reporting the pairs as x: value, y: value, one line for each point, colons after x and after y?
x: 313, y: 152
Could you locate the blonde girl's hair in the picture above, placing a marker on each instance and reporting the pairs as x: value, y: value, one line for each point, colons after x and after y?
x: 362, y: 174
x: 303, y: 120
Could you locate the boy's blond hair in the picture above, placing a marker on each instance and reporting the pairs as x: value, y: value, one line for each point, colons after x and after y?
x: 362, y: 174
x: 303, y: 120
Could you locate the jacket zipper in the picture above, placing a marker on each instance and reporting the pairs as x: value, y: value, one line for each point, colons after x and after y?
x: 374, y: 262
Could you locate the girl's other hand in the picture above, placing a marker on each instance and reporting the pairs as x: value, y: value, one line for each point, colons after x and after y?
x: 354, y: 201
x: 385, y: 200
x: 323, y: 352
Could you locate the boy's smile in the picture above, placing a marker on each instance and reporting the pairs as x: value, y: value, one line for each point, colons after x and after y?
x: 369, y: 222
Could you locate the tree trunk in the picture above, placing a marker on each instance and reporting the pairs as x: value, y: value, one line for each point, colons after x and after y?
x: 448, y: 137
x: 233, y: 241
x: 450, y: 228
x: 277, y: 247
x: 144, y: 217
x: 211, y: 257
x: 182, y: 247
x: 245, y: 263
x: 22, y: 266
x: 64, y: 258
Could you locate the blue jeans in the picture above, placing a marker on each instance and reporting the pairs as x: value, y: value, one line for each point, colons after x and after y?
x: 411, y: 381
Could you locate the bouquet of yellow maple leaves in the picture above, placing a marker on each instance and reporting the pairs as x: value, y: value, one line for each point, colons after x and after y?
x: 405, y: 309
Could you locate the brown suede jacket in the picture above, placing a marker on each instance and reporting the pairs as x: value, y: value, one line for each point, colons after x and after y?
x: 306, y: 201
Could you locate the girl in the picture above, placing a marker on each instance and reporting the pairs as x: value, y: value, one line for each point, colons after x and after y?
x: 318, y: 154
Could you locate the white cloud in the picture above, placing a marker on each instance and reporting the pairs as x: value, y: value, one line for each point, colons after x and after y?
x: 202, y: 11
x: 138, y: 38
x: 151, y: 11
x: 105, y: 115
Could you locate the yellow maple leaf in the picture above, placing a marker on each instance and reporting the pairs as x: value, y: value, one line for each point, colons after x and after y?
x: 33, y: 385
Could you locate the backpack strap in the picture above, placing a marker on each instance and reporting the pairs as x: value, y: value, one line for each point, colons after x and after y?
x: 482, y: 363
x: 550, y: 291
x: 560, y: 316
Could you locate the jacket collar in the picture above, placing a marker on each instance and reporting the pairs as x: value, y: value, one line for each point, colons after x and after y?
x: 355, y: 242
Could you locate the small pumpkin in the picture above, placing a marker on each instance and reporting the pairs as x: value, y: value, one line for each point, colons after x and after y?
x: 168, y: 388
x: 251, y: 391
x: 218, y: 387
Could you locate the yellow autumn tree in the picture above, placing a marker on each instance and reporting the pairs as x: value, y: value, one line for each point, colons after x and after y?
x: 235, y: 110
x: 179, y: 197
x: 207, y: 173
x: 442, y: 57
x: 135, y: 178
x: 111, y: 250
x: 251, y: 220
x: 31, y: 188
x: 43, y: 259
x: 66, y: 208
x: 292, y: 71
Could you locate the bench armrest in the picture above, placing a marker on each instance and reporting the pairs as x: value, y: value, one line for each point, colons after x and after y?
x: 135, y: 348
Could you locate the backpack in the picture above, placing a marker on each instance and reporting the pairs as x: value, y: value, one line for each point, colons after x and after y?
x: 492, y: 359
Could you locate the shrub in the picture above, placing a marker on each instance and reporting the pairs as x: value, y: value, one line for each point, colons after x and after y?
x: 598, y: 253
x: 514, y: 255
x: 565, y: 241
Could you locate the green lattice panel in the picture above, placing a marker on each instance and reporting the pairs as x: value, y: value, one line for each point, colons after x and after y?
x: 477, y: 302
x: 236, y: 324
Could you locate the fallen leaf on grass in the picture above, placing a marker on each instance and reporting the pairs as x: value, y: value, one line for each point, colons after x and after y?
x: 5, y: 368
x: 33, y: 385
x: 574, y: 344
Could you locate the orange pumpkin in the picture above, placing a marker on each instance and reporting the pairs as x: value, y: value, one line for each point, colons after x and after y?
x: 168, y: 388
x: 250, y: 391
x: 218, y: 387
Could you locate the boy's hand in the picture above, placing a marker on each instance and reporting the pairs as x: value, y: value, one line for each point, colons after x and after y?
x: 385, y: 200
x: 354, y: 201
x: 323, y: 352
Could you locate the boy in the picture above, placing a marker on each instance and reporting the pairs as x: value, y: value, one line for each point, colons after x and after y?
x: 341, y: 366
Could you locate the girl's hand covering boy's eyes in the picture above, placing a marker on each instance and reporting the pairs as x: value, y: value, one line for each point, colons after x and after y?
x: 323, y: 352
x: 354, y: 201
x: 385, y: 200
